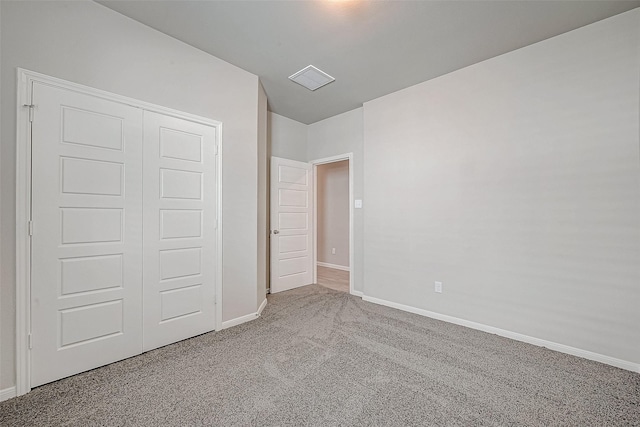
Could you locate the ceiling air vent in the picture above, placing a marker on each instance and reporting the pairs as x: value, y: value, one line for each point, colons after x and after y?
x: 311, y: 78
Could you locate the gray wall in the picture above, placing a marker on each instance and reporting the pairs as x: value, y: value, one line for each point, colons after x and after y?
x: 332, y: 183
x: 516, y: 182
x: 338, y: 135
x: 89, y: 44
x: 287, y: 138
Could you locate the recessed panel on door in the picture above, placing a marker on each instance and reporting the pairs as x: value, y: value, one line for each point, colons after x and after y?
x: 84, y: 176
x: 176, y: 263
x: 293, y: 174
x: 293, y: 220
x: 181, y: 302
x: 93, y: 128
x: 93, y: 273
x: 90, y: 322
x: 293, y: 266
x: 91, y: 225
x: 290, y: 244
x: 180, y: 184
x: 295, y: 198
x: 175, y: 144
x: 180, y: 223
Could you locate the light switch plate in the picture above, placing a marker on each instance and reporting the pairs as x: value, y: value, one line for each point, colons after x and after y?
x: 358, y: 204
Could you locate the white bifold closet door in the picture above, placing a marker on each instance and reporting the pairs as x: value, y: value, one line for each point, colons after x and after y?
x: 179, y: 229
x: 86, y: 248
x: 105, y: 174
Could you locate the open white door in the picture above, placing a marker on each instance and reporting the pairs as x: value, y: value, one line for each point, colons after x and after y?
x: 291, y: 224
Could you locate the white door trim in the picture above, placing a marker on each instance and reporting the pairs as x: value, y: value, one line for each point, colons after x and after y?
x: 315, y: 163
x: 25, y: 80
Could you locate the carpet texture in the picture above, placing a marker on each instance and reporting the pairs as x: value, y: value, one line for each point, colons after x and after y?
x: 319, y: 357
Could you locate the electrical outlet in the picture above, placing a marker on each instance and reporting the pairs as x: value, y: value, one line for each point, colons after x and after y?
x: 438, y: 287
x: 333, y: 251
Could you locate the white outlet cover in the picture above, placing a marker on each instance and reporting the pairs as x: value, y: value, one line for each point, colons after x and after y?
x: 358, y: 204
x: 438, y: 287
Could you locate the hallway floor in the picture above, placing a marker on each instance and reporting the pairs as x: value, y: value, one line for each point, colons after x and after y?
x: 332, y: 278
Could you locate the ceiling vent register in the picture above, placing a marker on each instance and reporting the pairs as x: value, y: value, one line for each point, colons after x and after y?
x: 311, y: 78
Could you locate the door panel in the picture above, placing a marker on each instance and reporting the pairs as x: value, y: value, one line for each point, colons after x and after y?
x: 86, y: 277
x: 291, y: 221
x: 179, y: 229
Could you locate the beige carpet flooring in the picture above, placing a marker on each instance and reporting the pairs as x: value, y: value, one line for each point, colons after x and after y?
x: 318, y: 357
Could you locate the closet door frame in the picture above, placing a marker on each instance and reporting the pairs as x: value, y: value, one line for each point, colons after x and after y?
x: 25, y: 114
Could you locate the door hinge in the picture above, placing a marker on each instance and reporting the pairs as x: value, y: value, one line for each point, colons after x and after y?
x: 30, y: 228
x: 31, y: 108
x: 30, y: 343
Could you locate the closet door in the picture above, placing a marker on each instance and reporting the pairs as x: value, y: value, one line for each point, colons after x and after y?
x: 179, y: 229
x: 86, y: 276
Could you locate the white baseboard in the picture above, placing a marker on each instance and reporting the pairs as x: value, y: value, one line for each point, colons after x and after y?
x: 239, y: 320
x: 262, y: 306
x: 243, y: 319
x: 7, y: 393
x: 562, y: 348
x: 336, y: 266
x: 357, y: 293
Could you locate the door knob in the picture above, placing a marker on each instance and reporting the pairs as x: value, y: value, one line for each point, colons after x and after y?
x: 276, y: 231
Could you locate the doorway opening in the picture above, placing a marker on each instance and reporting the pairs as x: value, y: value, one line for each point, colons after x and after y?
x: 333, y: 242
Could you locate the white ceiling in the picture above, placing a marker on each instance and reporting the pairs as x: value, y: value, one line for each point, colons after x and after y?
x: 372, y: 48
